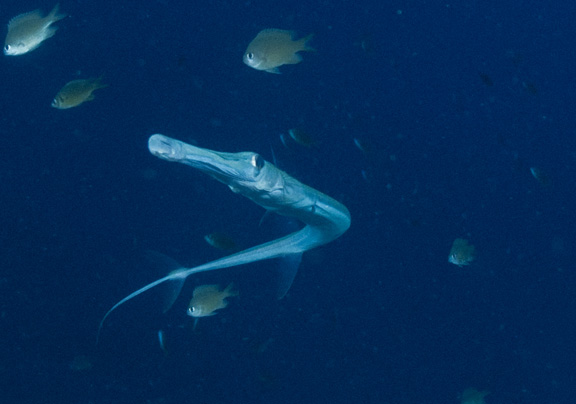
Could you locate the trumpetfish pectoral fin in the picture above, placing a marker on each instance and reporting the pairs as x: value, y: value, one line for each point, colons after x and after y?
x: 173, y: 286
x: 287, y: 270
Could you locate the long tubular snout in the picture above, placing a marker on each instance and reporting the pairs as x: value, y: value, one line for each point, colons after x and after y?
x: 164, y: 147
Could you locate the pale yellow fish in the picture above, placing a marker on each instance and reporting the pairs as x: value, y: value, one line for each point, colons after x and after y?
x: 462, y: 252
x: 76, y: 92
x: 273, y: 48
x: 206, y: 299
x: 27, y: 31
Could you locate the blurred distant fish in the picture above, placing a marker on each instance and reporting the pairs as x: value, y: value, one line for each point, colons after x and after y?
x: 162, y: 340
x: 366, y: 176
x: 206, y: 299
x: 221, y: 241
x: 76, y: 92
x: 540, y: 175
x: 530, y: 87
x: 462, y: 252
x: 273, y: 48
x: 80, y: 363
x: 473, y: 396
x: 302, y: 137
x: 367, y: 43
x: 487, y: 80
x: 361, y: 144
x: 27, y: 31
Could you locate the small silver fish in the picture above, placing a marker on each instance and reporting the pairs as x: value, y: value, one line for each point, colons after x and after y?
x: 462, y: 252
x: 273, y: 48
x: 76, y: 92
x: 206, y: 299
x: 27, y: 31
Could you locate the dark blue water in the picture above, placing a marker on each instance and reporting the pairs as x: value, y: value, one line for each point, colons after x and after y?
x: 455, y: 103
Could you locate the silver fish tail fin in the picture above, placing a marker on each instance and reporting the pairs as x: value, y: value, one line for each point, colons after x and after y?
x: 55, y: 14
x: 231, y: 290
x: 287, y: 270
x: 305, y: 42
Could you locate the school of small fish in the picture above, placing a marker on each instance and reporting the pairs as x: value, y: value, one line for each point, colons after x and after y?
x: 270, y: 49
x: 27, y: 32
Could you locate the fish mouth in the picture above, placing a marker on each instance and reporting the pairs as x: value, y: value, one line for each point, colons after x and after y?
x: 174, y: 150
x: 10, y: 50
x: 161, y: 146
x: 228, y: 168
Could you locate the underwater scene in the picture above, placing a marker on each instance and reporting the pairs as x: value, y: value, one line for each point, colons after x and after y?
x: 287, y: 202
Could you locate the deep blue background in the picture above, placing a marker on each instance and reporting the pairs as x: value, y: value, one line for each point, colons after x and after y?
x: 456, y: 102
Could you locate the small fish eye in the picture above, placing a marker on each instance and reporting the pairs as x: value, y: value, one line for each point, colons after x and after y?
x: 250, y: 56
x: 257, y: 161
x: 7, y: 47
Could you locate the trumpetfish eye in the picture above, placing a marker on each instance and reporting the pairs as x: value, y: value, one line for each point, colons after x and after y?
x: 257, y: 161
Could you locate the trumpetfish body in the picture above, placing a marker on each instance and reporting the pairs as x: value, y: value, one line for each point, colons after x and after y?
x: 249, y: 174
